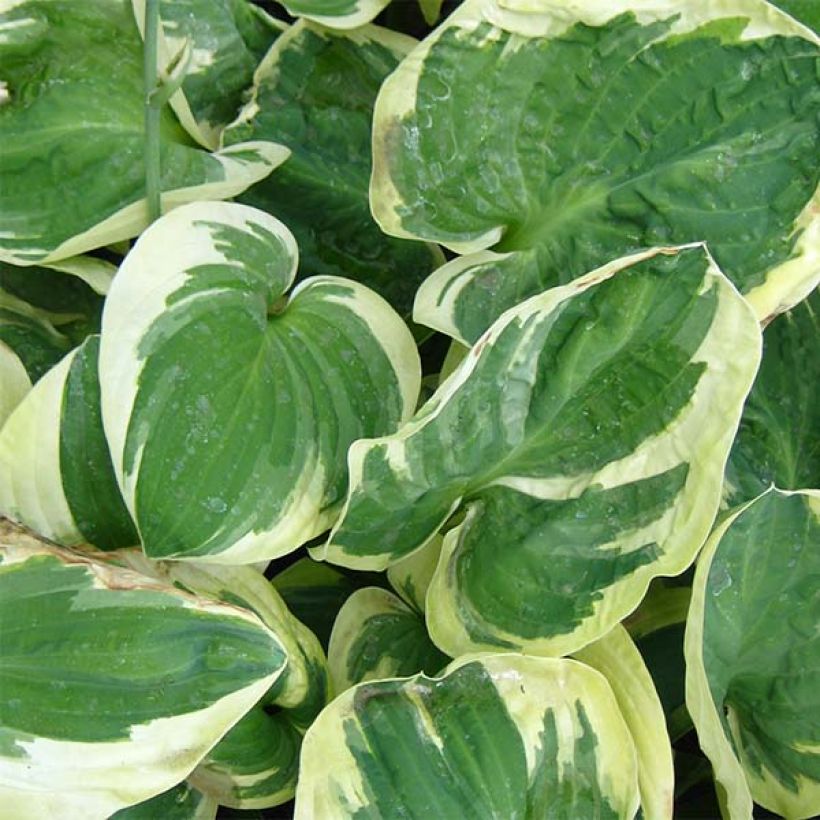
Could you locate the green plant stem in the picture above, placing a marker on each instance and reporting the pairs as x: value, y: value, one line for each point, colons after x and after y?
x: 152, y: 111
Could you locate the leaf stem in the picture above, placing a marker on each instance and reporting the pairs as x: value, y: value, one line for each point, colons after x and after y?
x: 152, y: 111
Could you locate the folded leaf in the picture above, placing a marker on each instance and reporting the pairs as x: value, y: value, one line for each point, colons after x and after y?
x: 500, y: 735
x: 314, y: 94
x: 56, y: 474
x: 411, y: 576
x: 376, y: 635
x: 182, y: 802
x: 620, y: 662
x: 14, y: 381
x: 778, y: 441
x: 314, y: 592
x: 255, y: 764
x: 114, y: 685
x: 753, y: 655
x: 72, y: 132
x: 228, y: 408
x: 561, y: 136
x: 227, y: 40
x: 584, y: 438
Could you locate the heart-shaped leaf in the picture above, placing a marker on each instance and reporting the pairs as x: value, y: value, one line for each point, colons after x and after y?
x: 228, y: 408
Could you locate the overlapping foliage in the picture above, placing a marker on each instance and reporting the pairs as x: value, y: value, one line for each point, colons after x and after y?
x: 549, y: 549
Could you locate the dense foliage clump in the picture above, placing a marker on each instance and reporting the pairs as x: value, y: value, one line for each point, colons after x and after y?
x: 409, y: 411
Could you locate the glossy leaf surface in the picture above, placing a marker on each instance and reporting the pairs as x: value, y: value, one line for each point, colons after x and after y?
x: 778, y: 441
x: 114, y: 685
x: 583, y: 437
x: 73, y: 133
x: 56, y: 474
x: 546, y: 740
x: 229, y: 407
x: 377, y: 635
x: 225, y: 41
x: 753, y: 654
x: 545, y: 139
x: 314, y: 93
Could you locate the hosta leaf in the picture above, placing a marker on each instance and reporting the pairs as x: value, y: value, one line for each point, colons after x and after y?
x: 753, y: 654
x: 583, y: 439
x: 546, y: 139
x: 31, y: 336
x: 227, y: 40
x: 617, y: 658
x: 255, y: 764
x: 72, y: 303
x: 314, y: 93
x: 431, y: 9
x: 56, y: 474
x: 43, y: 315
x: 314, y: 592
x: 503, y: 735
x: 376, y: 635
x: 14, y: 381
x: 806, y: 11
x: 228, y: 408
x: 340, y: 14
x: 182, y: 802
x: 778, y: 441
x: 411, y: 576
x: 73, y: 133
x: 114, y: 685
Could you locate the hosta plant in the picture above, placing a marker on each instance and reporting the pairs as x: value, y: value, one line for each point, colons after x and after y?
x: 409, y: 411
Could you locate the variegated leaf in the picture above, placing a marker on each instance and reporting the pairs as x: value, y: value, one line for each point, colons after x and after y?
x: 225, y: 41
x: 617, y: 658
x: 506, y: 735
x: 67, y: 296
x: 314, y: 592
x: 376, y: 635
x: 56, y: 474
x: 544, y: 139
x: 30, y: 334
x: 806, y: 11
x: 14, y: 381
x: 340, y: 14
x: 227, y: 406
x: 182, y: 802
x: 778, y: 441
x: 72, y: 130
x: 255, y: 764
x: 314, y: 93
x: 411, y: 576
x: 114, y: 685
x: 44, y: 313
x: 753, y: 655
x: 583, y: 439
